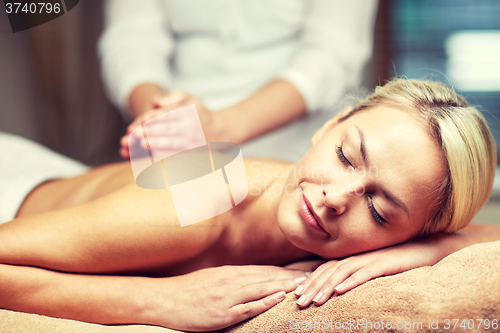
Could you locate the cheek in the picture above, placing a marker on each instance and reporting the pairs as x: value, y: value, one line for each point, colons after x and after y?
x: 288, y: 206
x: 364, y: 237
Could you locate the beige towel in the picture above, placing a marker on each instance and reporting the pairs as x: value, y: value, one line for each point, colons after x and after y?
x: 17, y: 322
x: 464, y: 285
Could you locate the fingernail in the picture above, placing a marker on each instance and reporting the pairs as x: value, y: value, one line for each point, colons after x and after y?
x: 308, y: 273
x: 300, y: 279
x: 280, y: 296
x: 299, y: 290
x: 339, y: 287
x: 302, y: 300
x: 317, y: 298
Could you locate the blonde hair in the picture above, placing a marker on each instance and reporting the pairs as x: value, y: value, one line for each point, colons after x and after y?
x: 465, y: 139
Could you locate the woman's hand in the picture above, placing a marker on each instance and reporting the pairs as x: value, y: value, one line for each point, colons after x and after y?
x: 214, y: 298
x: 175, y: 133
x: 340, y: 276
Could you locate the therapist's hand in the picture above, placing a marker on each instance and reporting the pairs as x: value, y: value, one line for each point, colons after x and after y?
x: 174, y: 135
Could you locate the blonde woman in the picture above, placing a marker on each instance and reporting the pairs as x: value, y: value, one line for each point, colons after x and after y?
x: 411, y: 162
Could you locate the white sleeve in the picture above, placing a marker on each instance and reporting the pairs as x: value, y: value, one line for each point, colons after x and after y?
x: 134, y: 48
x: 335, y: 43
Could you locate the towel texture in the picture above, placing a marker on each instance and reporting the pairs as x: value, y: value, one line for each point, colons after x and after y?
x: 464, y: 285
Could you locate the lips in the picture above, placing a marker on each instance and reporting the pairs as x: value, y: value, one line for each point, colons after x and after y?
x: 307, y: 213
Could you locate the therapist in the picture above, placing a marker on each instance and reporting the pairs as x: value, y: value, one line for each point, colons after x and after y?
x: 249, y: 66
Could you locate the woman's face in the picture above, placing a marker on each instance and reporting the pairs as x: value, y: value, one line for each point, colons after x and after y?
x: 367, y: 183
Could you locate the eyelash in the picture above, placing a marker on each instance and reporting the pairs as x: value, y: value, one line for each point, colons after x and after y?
x: 342, y: 157
x: 374, y: 212
x: 376, y: 216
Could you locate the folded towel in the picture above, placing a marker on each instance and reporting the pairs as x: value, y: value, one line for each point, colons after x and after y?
x: 463, y: 286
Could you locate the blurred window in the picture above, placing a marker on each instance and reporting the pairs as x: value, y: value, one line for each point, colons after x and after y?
x: 454, y: 41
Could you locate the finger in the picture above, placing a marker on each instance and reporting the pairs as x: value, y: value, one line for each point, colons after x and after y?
x: 244, y: 311
x: 167, y: 128
x: 124, y: 153
x: 312, y: 290
x: 132, y: 139
x: 358, y: 278
x: 322, y: 287
x: 326, y: 290
x: 310, y: 278
x: 124, y: 141
x: 167, y: 142
x: 163, y: 153
x: 256, y: 291
x: 146, y: 116
x: 133, y: 125
x: 178, y: 142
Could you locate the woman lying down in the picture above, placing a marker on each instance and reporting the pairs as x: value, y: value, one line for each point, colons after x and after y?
x: 100, y: 249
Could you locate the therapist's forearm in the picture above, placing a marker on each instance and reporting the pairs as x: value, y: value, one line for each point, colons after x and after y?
x: 274, y: 105
x: 141, y: 96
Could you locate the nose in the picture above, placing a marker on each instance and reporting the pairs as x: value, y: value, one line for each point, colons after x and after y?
x: 340, y: 196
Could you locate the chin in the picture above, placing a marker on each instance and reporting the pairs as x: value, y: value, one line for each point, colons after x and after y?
x: 295, y: 231
x: 292, y: 227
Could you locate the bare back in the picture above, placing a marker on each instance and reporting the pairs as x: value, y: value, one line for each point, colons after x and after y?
x: 101, y: 222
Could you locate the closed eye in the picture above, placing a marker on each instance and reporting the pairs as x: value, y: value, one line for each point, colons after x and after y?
x: 376, y: 216
x: 341, y: 156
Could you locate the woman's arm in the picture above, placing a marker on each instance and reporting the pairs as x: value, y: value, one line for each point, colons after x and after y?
x: 97, y: 299
x: 340, y: 276
x: 205, y: 300
x: 129, y: 229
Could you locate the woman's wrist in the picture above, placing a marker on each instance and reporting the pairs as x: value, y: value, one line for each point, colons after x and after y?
x: 447, y: 243
x: 151, y: 308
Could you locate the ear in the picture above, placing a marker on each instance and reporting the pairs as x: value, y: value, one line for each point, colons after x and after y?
x: 329, y: 125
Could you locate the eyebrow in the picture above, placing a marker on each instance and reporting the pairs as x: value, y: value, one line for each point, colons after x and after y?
x: 387, y: 194
x: 394, y: 199
x: 362, y: 148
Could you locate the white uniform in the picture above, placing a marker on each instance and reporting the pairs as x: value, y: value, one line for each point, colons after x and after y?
x: 225, y: 50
